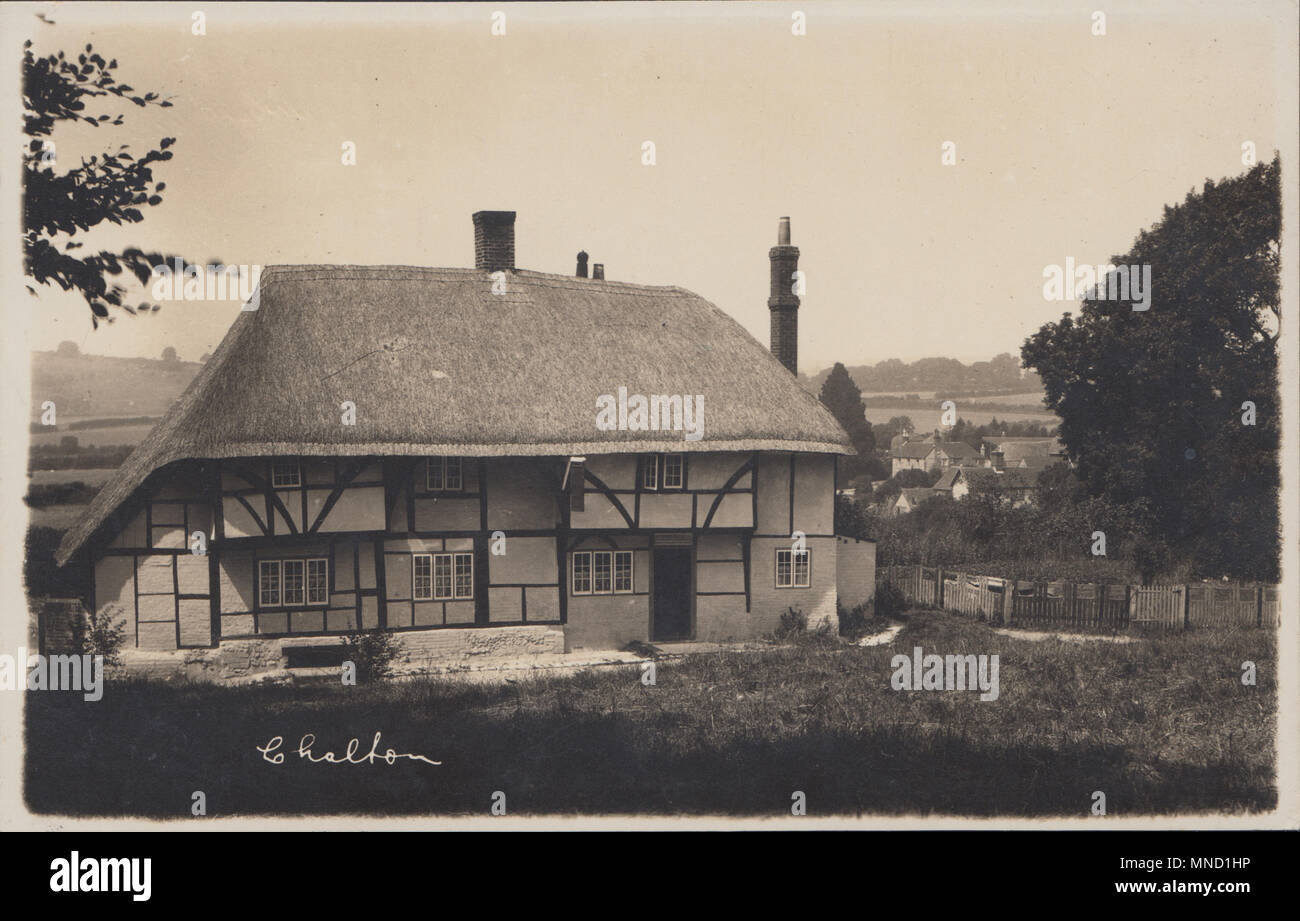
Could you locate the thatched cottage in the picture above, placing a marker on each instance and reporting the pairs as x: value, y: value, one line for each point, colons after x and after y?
x: 467, y: 458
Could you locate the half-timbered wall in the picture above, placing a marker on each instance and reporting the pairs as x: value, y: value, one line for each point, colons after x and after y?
x: 369, y: 519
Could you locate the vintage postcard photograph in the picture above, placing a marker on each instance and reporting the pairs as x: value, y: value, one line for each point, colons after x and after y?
x: 705, y: 415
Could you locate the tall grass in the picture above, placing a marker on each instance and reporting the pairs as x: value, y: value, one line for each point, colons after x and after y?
x: 1163, y: 725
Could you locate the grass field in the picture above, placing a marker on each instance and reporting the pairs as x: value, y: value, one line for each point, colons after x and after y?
x: 1160, y: 725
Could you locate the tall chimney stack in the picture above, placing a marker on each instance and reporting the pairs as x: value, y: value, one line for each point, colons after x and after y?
x: 582, y: 264
x: 494, y: 241
x: 783, y: 302
x: 598, y: 271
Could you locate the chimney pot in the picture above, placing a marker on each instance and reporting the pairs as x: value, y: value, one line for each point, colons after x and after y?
x: 783, y: 232
x: 582, y: 264
x: 494, y: 241
x: 598, y: 271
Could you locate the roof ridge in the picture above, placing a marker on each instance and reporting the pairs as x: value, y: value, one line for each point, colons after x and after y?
x: 394, y: 272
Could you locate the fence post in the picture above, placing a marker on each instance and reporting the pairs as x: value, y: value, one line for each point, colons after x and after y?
x: 1187, y: 606
x: 1101, y: 606
x: 1128, y: 604
x: 1259, y: 605
x: 938, y: 587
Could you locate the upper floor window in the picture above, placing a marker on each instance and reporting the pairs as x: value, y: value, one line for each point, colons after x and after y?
x: 443, y: 474
x: 442, y: 576
x: 292, y: 583
x: 663, y: 471
x: 285, y: 474
x: 793, y: 568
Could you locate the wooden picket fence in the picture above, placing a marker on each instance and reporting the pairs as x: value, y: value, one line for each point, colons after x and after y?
x: 1085, y: 605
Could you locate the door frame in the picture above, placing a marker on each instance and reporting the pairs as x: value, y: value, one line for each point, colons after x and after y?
x: 691, y: 587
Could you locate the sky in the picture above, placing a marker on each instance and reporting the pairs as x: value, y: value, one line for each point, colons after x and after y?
x: 1067, y: 145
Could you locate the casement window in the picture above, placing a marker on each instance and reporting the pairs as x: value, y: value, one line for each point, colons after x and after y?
x: 292, y: 583
x: 663, y: 471
x: 601, y: 572
x: 285, y: 474
x: 422, y: 577
x: 442, y: 576
x: 793, y: 568
x: 268, y: 582
x: 673, y: 470
x: 650, y: 472
x: 443, y: 474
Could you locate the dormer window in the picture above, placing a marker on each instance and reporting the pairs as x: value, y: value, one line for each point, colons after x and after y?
x: 285, y: 474
x: 443, y: 474
x: 663, y: 471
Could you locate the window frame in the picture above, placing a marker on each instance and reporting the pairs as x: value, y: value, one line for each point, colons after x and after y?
x: 792, y: 568
x: 262, y: 582
x: 444, y: 464
x: 573, y: 573
x: 279, y: 600
x: 437, y: 561
x: 654, y: 472
x: 590, y: 556
x: 650, y: 473
x: 415, y: 578
x: 275, y: 475
x: 681, y: 472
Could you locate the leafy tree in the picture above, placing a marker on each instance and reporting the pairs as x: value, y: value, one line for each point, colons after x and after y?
x: 68, y: 349
x: 112, y: 187
x: 913, y: 478
x: 1153, y: 403
x: 843, y: 398
x: 169, y: 354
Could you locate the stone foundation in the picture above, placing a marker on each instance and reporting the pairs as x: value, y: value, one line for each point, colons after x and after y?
x: 245, y: 660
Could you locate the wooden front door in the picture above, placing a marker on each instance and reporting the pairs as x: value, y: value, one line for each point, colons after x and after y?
x: 671, y: 594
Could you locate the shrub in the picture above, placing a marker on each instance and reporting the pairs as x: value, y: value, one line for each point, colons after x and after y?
x: 854, y: 622
x: 793, y: 622
x: 372, y: 653
x: 890, y: 600
x: 101, y: 633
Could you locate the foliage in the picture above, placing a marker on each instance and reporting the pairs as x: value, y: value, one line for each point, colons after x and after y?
x: 793, y: 622
x: 843, y: 398
x: 890, y: 600
x: 40, y: 573
x: 851, y: 520
x: 1002, y: 374
x: 101, y: 633
x: 372, y: 652
x: 1152, y: 402
x: 912, y: 478
x: 854, y: 621
x: 113, y: 187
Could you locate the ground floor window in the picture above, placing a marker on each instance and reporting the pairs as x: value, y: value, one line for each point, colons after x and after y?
x: 292, y: 583
x: 442, y: 576
x: 793, y: 568
x: 601, y: 572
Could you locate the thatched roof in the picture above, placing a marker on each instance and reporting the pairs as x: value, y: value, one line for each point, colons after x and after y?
x: 438, y: 364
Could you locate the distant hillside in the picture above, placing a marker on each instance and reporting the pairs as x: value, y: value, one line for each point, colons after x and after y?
x: 943, y: 375
x: 99, y: 387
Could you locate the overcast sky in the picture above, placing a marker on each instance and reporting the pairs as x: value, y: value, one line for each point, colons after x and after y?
x: 1067, y: 145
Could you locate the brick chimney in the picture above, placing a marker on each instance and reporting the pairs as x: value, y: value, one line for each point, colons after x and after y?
x: 494, y: 241
x: 582, y: 264
x: 598, y: 271
x: 783, y: 302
